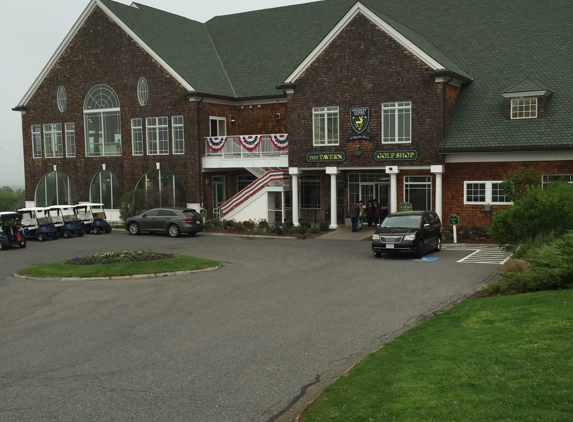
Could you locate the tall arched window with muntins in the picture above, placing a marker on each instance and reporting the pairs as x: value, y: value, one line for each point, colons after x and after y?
x: 142, y: 91
x: 102, y: 122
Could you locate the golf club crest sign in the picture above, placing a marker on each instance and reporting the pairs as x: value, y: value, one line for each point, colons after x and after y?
x: 359, y: 119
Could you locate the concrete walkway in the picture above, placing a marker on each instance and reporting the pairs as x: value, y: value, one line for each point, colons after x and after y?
x: 344, y: 232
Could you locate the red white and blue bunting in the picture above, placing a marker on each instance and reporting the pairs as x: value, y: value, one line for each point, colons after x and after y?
x: 280, y: 140
x: 250, y: 142
x: 216, y: 143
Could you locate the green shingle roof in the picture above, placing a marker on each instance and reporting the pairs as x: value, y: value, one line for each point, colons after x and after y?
x: 526, y: 85
x: 496, y: 43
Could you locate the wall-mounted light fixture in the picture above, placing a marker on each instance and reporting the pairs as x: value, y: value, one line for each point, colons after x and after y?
x: 277, y: 117
x: 103, y: 166
x: 157, y: 166
x: 206, y: 181
x: 55, y: 167
x: 232, y: 118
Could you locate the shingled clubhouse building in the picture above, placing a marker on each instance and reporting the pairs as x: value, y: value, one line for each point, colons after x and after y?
x: 295, y: 112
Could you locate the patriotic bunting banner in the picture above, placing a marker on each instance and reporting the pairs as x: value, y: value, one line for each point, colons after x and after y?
x: 216, y: 143
x: 280, y: 140
x: 250, y: 142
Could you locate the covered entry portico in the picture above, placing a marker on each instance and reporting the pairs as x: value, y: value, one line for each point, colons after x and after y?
x: 370, y: 183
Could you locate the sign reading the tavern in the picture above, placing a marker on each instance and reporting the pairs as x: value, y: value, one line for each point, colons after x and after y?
x: 396, y: 155
x: 325, y: 157
x: 359, y: 119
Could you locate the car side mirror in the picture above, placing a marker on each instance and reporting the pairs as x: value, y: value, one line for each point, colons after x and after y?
x: 144, y: 215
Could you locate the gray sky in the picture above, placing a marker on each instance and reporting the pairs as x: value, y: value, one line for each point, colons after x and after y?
x: 32, y: 30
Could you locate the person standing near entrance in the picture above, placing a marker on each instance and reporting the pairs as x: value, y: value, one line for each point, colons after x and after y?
x: 377, y: 214
x: 354, y: 212
x: 370, y: 214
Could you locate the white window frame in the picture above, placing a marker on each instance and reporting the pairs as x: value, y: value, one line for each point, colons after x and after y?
x: 394, y: 115
x: 70, y: 134
x: 221, y: 126
x: 157, y: 131
x: 327, y: 119
x: 36, y: 141
x: 524, y: 108
x: 62, y: 98
x: 548, y: 178
x: 178, y: 135
x: 137, y: 141
x: 53, y: 146
x: 101, y: 105
x: 142, y: 91
x: 488, y: 186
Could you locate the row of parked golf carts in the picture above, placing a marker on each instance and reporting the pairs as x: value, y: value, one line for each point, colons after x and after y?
x: 51, y: 223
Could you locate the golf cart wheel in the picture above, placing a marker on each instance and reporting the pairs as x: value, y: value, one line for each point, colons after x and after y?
x: 3, y: 246
x: 42, y: 237
x: 133, y: 228
x: 174, y: 230
x: 67, y: 234
x: 22, y: 244
x: 97, y: 230
x: 108, y: 229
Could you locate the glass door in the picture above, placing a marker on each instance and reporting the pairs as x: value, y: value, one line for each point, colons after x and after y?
x: 218, y: 195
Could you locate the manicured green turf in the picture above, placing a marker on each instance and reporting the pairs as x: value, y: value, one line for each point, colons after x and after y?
x: 63, y: 269
x: 504, y: 358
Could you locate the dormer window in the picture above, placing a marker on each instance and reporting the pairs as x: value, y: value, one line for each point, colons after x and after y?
x: 524, y: 108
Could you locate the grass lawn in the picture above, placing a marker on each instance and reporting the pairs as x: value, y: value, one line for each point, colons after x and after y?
x: 63, y: 269
x: 506, y: 358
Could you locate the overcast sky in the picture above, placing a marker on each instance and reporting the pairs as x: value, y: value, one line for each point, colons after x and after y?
x: 30, y: 33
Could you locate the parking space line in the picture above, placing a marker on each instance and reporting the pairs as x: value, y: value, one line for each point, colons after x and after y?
x: 486, y: 256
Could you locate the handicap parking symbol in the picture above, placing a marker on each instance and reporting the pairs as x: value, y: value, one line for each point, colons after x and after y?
x: 429, y: 259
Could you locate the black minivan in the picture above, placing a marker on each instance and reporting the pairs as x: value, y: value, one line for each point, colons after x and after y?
x: 408, y: 232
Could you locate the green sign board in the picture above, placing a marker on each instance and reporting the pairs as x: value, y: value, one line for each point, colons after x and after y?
x: 325, y: 157
x: 454, y: 220
x: 399, y: 155
x: 405, y: 206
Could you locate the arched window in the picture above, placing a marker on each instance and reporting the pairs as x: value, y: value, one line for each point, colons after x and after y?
x: 62, y: 98
x: 162, y: 189
x: 142, y: 91
x: 102, y: 122
x: 56, y: 188
x: 105, y: 189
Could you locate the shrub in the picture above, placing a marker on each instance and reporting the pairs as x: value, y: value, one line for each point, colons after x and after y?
x: 249, y: 225
x: 295, y: 229
x: 277, y: 229
x: 314, y: 230
x: 324, y: 226
x: 132, y: 203
x: 305, y: 225
x: 228, y: 224
x: 288, y: 224
x: 264, y: 225
x: 215, y: 223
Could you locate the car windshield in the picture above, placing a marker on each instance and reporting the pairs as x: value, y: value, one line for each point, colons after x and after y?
x: 404, y: 221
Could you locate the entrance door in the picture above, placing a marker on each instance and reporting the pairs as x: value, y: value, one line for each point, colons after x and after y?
x: 367, y: 191
x: 384, y: 197
x: 219, y: 196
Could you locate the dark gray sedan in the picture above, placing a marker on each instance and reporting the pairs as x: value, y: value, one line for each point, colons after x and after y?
x: 172, y: 221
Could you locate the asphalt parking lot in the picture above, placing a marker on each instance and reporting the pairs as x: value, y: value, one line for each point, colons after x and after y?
x: 256, y: 340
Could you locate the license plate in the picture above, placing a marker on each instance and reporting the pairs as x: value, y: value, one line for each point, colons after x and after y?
x: 388, y: 246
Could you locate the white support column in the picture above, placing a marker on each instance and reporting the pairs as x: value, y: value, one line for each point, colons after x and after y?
x: 293, y: 171
x: 438, y: 171
x: 333, y: 171
x: 393, y: 172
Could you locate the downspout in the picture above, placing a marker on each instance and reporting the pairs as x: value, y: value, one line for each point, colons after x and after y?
x: 199, y: 156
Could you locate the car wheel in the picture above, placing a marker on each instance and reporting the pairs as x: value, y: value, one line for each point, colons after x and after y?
x: 96, y: 230
x: 439, y: 244
x: 419, y: 250
x: 133, y: 228
x: 41, y: 237
x: 173, y: 230
x: 23, y: 244
x: 67, y: 234
x: 378, y: 254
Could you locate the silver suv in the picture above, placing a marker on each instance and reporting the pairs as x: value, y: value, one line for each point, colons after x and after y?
x: 172, y: 221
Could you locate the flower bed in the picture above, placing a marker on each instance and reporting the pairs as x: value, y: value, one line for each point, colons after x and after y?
x: 119, y: 257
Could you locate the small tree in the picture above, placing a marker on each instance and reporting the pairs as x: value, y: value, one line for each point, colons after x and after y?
x: 10, y: 199
x: 517, y: 184
x: 132, y: 203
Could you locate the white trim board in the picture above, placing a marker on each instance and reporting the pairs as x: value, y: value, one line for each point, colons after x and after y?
x: 499, y: 157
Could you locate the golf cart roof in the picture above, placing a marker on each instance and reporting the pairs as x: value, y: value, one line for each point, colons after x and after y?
x: 32, y: 209
x: 9, y: 215
x: 88, y: 204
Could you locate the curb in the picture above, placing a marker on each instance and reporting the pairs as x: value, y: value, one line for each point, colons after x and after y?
x: 118, y: 277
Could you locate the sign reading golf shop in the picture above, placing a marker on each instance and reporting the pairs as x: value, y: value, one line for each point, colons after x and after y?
x: 403, y: 155
x: 325, y: 157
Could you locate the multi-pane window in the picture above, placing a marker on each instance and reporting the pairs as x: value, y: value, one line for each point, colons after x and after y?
x: 244, y: 180
x: 137, y: 136
x: 177, y: 134
x: 62, y: 98
x: 36, y: 141
x: 325, y: 126
x: 548, y: 178
x: 418, y: 192
x: 157, y: 129
x: 102, y: 122
x: 397, y: 122
x: 524, y: 108
x: 484, y: 193
x: 53, y: 146
x: 217, y: 126
x: 310, y: 192
x: 105, y: 189
x: 142, y: 91
x: 70, y: 140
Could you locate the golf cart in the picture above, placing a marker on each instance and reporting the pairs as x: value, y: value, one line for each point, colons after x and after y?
x: 66, y: 221
x: 11, y: 233
x: 37, y: 225
x: 93, y: 217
